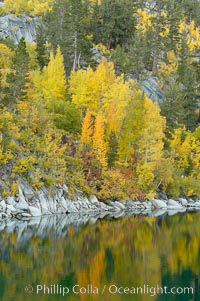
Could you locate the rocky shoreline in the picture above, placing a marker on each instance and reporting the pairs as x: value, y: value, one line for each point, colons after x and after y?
x: 29, y: 203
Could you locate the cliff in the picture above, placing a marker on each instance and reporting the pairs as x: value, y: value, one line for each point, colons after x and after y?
x: 17, y: 27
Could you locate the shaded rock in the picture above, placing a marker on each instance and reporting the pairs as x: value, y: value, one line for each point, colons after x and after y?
x: 23, y: 215
x: 3, y: 215
x: 11, y: 208
x: 158, y: 203
x: 11, y: 201
x: 18, y: 27
x: 97, y: 56
x: 147, y: 204
x: 162, y: 195
x: 93, y: 199
x: 119, y: 205
x: 22, y: 205
x: 183, y: 201
x: 72, y: 208
x: 35, y: 211
x: 138, y: 204
x: 130, y: 204
x: 64, y: 203
x: 65, y: 188
x: 173, y: 205
x: 3, y: 185
x: 194, y: 204
x: 113, y: 207
x: 27, y: 191
x: 3, y: 205
x: 51, y: 204
x: 103, y: 206
x: 151, y: 87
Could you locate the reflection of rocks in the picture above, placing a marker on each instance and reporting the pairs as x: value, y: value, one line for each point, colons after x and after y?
x: 159, y: 212
x: 29, y: 203
x: 171, y: 212
x: 27, y: 226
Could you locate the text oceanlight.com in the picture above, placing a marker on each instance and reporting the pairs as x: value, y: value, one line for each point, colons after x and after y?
x: 112, y: 289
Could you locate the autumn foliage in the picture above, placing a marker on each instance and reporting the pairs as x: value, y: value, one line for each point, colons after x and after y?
x: 96, y: 129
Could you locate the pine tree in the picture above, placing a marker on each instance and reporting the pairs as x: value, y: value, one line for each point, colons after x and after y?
x: 180, y: 88
x: 41, y: 48
x: 113, y: 150
x: 6, y: 138
x: 18, y: 79
x: 68, y: 25
x: 116, y: 23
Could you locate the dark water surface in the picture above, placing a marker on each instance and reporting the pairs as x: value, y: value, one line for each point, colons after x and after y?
x: 42, y: 259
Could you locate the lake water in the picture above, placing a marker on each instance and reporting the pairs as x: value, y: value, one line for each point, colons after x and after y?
x: 137, y: 258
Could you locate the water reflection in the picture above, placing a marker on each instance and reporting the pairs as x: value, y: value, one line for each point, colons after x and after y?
x: 128, y: 252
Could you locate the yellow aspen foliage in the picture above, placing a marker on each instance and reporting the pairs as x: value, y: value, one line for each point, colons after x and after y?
x: 47, y: 89
x: 150, y: 146
x: 170, y: 67
x: 144, y: 20
x: 35, y: 7
x: 5, y: 55
x: 95, y: 1
x: 192, y: 34
x: 54, y: 82
x: 103, y: 49
x: 88, y: 88
x: 115, y: 103
x: 22, y: 165
x: 185, y: 157
x: 87, y: 129
x: 176, y: 149
x: 82, y: 96
x: 31, y: 49
x: 185, y: 150
x: 35, y: 87
x: 5, y: 62
x: 99, y: 144
x: 131, y: 125
x: 5, y: 157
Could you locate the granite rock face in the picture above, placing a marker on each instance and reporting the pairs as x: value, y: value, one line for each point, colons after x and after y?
x: 151, y: 87
x: 29, y: 203
x: 17, y: 27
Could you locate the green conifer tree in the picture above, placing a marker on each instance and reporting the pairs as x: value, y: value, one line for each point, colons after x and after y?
x: 41, y: 49
x: 18, y: 78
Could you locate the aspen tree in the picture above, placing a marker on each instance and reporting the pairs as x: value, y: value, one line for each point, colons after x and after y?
x: 99, y: 145
x: 87, y: 129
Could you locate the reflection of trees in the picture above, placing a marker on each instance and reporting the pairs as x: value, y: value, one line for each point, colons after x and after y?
x: 127, y: 252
